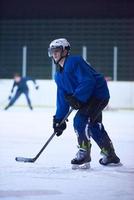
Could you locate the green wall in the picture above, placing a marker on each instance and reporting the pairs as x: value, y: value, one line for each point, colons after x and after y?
x: 99, y: 35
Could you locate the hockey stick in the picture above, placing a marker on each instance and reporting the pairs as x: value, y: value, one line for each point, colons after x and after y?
x: 31, y: 160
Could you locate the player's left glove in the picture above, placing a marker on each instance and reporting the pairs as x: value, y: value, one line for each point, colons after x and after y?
x: 36, y: 87
x: 73, y: 102
x: 58, y: 129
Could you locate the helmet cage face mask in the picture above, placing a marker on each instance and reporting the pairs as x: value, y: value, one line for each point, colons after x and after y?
x: 52, y: 50
x: 60, y: 43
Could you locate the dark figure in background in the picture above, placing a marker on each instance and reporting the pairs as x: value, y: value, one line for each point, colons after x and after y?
x: 22, y: 88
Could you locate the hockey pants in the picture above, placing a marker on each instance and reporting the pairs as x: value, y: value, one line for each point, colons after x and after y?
x: 88, y: 123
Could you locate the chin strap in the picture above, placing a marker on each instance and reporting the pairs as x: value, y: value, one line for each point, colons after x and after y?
x: 57, y: 62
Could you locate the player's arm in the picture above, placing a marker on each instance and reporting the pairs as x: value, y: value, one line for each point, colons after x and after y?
x: 14, y: 84
x: 61, y: 111
x: 34, y: 82
x: 86, y: 82
x: 10, y: 95
x: 84, y: 89
x: 62, y: 106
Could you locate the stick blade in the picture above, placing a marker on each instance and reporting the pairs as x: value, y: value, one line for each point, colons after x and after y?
x: 22, y: 159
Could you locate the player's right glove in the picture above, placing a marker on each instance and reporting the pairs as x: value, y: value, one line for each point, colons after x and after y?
x: 58, y: 129
x: 36, y: 87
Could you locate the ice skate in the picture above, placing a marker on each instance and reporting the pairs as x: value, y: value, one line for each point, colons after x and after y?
x: 82, y: 160
x: 110, y: 158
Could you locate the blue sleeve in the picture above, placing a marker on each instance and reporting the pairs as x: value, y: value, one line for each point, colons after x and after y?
x: 79, y: 79
x: 86, y: 82
x: 14, y: 84
x: 62, y: 105
x: 30, y: 79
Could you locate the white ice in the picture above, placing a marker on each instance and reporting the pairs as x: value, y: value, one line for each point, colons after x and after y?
x: 24, y: 132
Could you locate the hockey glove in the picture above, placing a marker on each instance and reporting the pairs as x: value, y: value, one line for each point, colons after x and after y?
x: 73, y: 102
x: 36, y: 87
x: 58, y: 129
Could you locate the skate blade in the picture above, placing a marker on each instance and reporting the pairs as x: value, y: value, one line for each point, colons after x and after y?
x: 83, y: 166
x: 114, y: 164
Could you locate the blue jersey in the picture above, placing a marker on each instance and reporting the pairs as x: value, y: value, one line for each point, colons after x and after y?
x: 22, y: 84
x: 79, y: 79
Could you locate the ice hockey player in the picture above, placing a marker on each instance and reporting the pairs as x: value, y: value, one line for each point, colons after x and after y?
x: 85, y: 90
x: 22, y: 88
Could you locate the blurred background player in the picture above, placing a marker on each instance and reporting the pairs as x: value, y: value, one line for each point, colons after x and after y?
x: 22, y: 88
x: 84, y: 89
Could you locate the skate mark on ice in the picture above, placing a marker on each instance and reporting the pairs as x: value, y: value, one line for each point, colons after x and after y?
x: 121, y: 169
x: 58, y: 173
x: 127, y: 170
x: 115, y: 170
x: 27, y: 193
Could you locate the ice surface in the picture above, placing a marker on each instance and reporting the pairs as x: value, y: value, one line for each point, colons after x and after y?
x: 24, y: 132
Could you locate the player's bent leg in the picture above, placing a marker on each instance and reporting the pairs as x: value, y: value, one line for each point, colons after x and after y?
x: 28, y: 100
x: 109, y: 156
x: 101, y: 137
x: 13, y: 100
x: 82, y: 158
